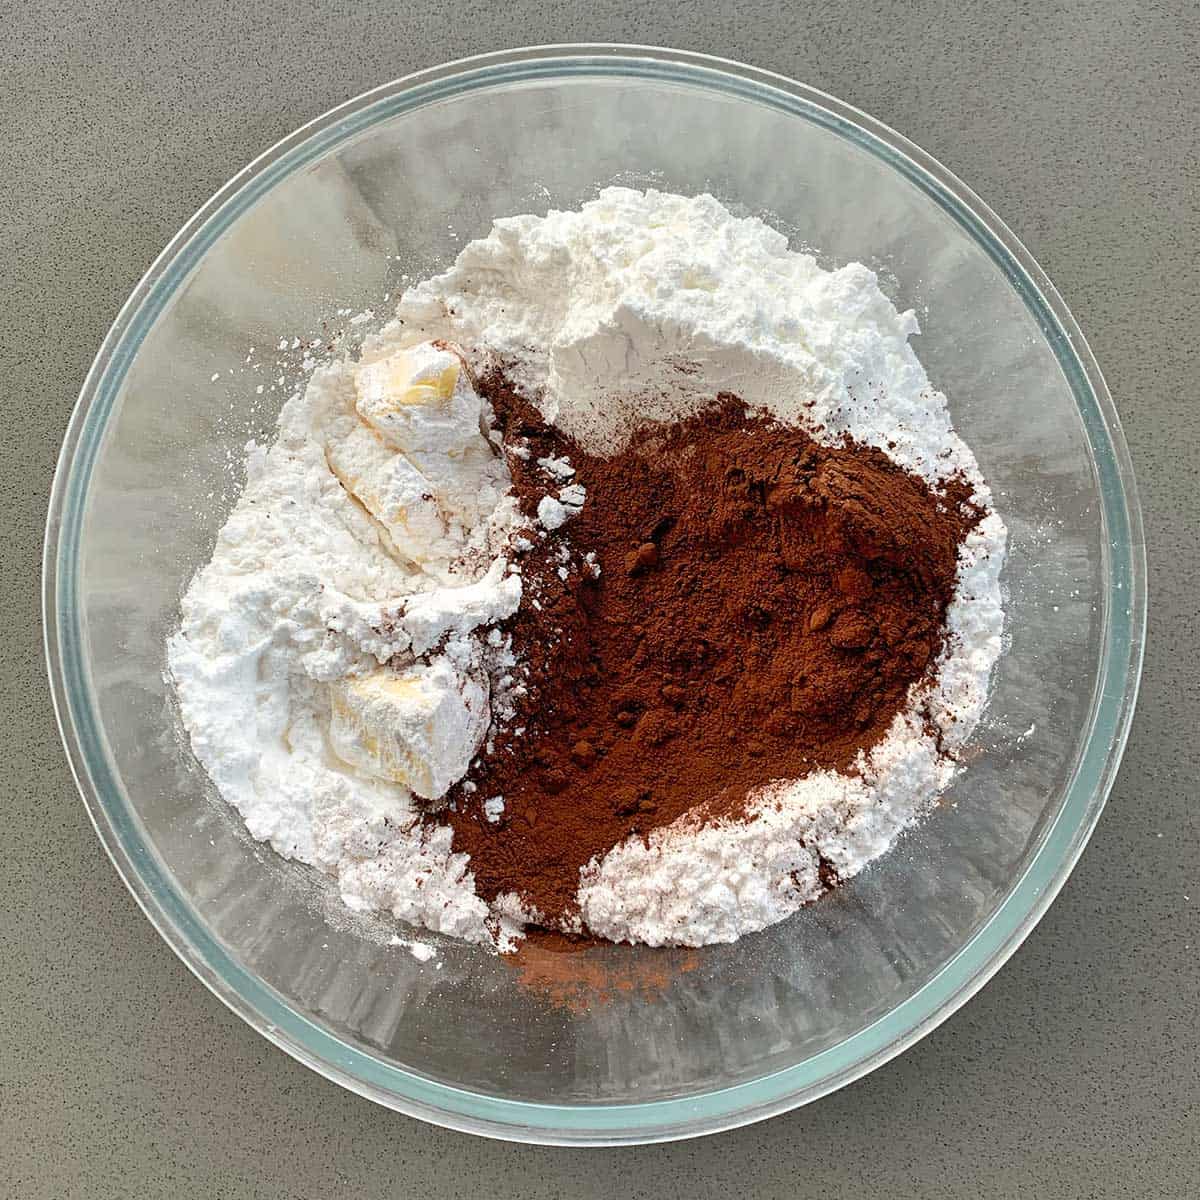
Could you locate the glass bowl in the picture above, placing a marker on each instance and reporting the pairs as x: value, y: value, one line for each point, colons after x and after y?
x: 619, y: 1044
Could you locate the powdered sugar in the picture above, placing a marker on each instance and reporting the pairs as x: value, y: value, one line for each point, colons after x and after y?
x: 421, y: 951
x: 343, y: 650
x: 679, y: 300
x: 280, y: 660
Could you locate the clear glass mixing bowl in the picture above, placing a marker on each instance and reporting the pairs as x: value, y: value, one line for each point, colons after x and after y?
x: 393, y: 183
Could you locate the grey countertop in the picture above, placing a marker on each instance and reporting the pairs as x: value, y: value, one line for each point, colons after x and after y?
x: 1074, y: 1073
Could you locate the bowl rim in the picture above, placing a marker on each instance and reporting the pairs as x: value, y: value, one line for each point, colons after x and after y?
x: 1062, y: 841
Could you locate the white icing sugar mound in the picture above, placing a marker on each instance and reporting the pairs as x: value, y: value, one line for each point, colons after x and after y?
x: 642, y: 306
x: 376, y: 528
x: 341, y: 658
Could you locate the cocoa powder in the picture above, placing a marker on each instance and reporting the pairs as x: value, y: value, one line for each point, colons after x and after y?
x: 580, y: 974
x: 763, y: 605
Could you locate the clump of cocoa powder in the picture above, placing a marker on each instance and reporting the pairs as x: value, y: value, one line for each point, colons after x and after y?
x: 763, y: 605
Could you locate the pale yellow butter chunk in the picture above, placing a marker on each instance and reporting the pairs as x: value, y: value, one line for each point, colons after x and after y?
x: 419, y: 727
x: 390, y: 487
x: 393, y: 383
x: 420, y: 400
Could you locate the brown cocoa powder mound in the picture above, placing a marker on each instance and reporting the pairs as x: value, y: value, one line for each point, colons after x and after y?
x: 764, y: 604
